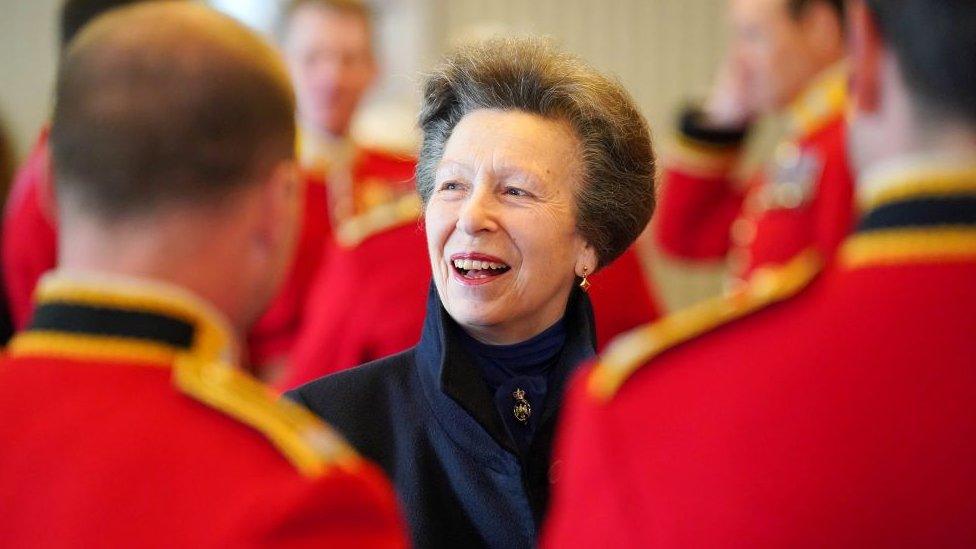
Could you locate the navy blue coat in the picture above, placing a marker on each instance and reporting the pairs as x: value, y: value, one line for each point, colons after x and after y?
x: 426, y: 417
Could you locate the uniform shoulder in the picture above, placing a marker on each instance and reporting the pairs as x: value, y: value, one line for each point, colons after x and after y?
x: 628, y: 353
x: 306, y: 442
x: 389, y: 155
x: 383, y: 216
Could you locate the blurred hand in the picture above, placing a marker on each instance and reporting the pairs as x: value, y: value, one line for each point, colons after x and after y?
x: 730, y: 104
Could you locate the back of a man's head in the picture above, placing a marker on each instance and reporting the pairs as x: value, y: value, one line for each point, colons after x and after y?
x: 798, y: 7
x: 166, y: 103
x: 75, y: 14
x: 935, y: 44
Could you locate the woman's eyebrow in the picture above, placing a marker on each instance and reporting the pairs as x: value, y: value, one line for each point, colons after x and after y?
x: 451, y: 167
x: 519, y: 173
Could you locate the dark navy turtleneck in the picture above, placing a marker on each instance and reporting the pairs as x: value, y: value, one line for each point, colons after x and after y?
x: 518, y: 378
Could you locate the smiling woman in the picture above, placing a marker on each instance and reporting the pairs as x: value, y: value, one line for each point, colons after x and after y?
x: 535, y: 172
x: 505, y: 195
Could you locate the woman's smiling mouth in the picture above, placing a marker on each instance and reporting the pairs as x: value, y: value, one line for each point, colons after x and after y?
x: 473, y: 268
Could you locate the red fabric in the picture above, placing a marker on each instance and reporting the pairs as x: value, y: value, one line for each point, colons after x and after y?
x: 843, y: 417
x: 621, y: 297
x: 110, y: 455
x: 371, y: 300
x: 274, y: 335
x: 30, y: 244
x: 696, y: 213
x: 368, y: 302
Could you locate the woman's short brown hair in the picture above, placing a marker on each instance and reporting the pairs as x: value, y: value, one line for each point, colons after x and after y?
x: 616, y: 198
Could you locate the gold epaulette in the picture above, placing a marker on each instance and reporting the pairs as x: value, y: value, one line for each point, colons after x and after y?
x: 308, y: 443
x: 823, y: 102
x: 396, y: 212
x: 628, y: 353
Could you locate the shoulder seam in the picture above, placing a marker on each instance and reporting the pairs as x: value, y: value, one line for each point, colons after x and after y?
x: 304, y: 440
x: 628, y: 353
x: 395, y: 213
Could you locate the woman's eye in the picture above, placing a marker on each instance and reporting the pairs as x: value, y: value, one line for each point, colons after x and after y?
x: 515, y: 191
x: 449, y: 186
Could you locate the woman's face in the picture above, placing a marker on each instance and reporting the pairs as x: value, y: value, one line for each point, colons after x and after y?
x: 501, y: 224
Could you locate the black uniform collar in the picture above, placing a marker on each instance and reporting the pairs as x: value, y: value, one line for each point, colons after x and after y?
x: 444, y: 362
x: 103, y: 317
x: 915, y: 211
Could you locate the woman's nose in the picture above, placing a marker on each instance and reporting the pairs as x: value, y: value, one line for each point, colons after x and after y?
x: 478, y: 213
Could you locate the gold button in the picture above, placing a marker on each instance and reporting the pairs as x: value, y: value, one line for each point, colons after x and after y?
x: 743, y: 231
x: 788, y: 196
x: 787, y: 155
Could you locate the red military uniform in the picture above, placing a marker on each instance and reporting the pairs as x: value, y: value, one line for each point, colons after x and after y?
x: 802, y: 200
x: 830, y: 410
x: 122, y: 424
x: 29, y: 232
x: 369, y: 299
x: 339, y: 186
x: 30, y: 236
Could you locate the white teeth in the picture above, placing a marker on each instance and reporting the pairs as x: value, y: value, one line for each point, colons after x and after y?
x: 476, y: 265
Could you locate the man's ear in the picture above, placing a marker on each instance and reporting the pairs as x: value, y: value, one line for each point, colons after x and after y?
x: 281, y: 206
x: 866, y: 52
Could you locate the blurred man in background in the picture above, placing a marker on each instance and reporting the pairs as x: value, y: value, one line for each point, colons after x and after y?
x: 784, y: 58
x: 351, y: 192
x: 336, y: 39
x: 855, y: 428
x: 124, y: 420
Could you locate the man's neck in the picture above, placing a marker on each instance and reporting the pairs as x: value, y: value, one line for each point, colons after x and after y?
x: 176, y: 255
x: 956, y: 156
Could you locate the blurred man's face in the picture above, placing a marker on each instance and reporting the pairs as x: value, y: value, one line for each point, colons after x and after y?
x: 330, y: 58
x: 771, y: 50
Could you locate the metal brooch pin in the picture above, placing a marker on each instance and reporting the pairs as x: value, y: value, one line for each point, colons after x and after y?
x: 522, y: 408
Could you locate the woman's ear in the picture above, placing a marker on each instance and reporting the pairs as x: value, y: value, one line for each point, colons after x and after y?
x: 586, y: 261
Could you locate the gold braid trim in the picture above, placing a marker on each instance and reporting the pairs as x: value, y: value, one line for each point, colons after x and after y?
x: 210, y: 340
x: 909, y: 245
x: 822, y: 103
x: 121, y: 350
x: 945, y: 183
x: 308, y: 443
x: 630, y: 352
x: 401, y: 211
